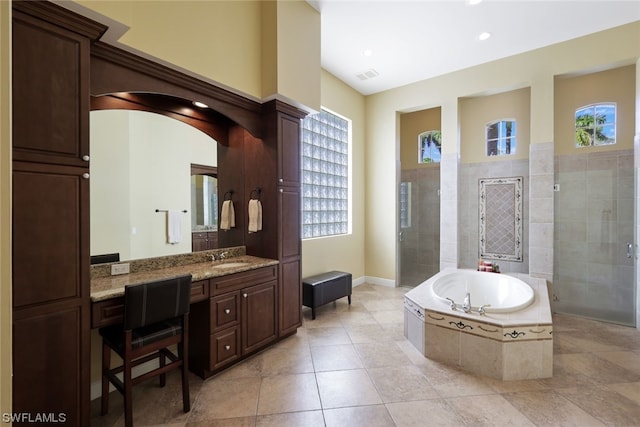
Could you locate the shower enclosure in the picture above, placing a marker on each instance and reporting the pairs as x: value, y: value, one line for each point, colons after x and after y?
x: 419, y: 225
x: 594, y: 235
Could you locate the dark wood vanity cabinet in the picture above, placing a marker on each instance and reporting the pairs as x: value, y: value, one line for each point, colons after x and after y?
x: 237, y: 320
x: 50, y: 211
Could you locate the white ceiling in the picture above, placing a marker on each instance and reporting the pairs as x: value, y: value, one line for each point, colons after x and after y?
x: 416, y: 40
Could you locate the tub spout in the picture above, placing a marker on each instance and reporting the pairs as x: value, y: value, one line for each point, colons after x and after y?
x: 466, y: 305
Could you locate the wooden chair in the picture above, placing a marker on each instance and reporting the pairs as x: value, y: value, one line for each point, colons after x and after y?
x: 155, y: 317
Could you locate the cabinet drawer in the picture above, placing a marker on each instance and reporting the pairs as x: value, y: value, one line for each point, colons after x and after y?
x: 199, y: 291
x: 225, y: 347
x: 225, y: 311
x: 107, y: 312
x: 241, y: 280
x: 111, y: 311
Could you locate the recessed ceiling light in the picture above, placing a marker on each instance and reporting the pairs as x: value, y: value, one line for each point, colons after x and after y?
x: 367, y: 52
x: 200, y: 104
x: 473, y: 2
x: 484, y: 36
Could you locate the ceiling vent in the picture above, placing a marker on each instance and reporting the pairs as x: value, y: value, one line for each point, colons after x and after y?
x: 369, y: 74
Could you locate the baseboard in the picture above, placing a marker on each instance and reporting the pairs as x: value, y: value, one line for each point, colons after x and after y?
x: 390, y: 283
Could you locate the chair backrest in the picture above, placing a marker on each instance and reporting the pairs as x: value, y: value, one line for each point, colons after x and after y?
x: 153, y: 302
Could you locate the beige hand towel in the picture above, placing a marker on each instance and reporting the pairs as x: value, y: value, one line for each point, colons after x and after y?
x: 255, y: 216
x: 227, y: 215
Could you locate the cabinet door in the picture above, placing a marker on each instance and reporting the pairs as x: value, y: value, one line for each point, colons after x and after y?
x: 199, y: 242
x: 258, y: 316
x: 50, y: 92
x: 288, y: 150
x: 289, y: 200
x: 48, y: 353
x: 50, y: 234
x: 290, y: 297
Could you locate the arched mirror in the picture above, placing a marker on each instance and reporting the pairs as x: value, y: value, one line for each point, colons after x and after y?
x: 141, y: 169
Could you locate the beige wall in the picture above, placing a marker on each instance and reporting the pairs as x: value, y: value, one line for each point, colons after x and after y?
x: 476, y: 112
x: 345, y: 253
x: 617, y: 85
x: 5, y: 207
x: 261, y: 49
x: 534, y: 69
x: 412, y: 125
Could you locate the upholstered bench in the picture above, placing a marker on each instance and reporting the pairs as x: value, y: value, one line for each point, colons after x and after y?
x: 324, y: 288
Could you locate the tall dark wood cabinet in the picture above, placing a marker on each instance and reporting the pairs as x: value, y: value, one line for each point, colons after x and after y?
x: 50, y: 251
x: 283, y: 133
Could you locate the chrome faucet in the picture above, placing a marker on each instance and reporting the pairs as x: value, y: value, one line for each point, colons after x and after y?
x: 466, y: 305
x: 220, y: 256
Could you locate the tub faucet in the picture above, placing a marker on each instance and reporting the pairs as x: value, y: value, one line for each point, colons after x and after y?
x: 466, y: 305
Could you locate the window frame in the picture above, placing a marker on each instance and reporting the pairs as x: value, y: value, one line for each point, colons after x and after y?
x: 513, y: 137
x: 421, y: 137
x: 594, y: 127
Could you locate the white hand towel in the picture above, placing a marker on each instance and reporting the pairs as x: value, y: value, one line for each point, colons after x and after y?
x: 227, y: 215
x: 255, y: 215
x: 174, y: 227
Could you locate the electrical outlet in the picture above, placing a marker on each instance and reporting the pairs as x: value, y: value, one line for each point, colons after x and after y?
x: 120, y: 269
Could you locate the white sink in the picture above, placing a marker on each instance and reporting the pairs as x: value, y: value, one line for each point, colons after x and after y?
x: 231, y: 264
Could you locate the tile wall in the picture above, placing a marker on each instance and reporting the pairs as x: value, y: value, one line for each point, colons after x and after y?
x: 468, y: 225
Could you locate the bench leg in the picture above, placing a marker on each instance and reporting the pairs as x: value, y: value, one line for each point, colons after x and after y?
x: 349, y: 297
x: 313, y: 313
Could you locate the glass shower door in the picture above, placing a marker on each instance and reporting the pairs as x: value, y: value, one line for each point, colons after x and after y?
x: 419, y: 225
x: 594, y: 236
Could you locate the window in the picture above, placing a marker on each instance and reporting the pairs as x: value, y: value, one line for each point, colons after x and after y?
x: 325, y: 175
x: 501, y: 138
x: 596, y: 125
x: 429, y: 146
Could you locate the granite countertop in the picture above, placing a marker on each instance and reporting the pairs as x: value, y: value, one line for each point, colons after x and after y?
x: 103, y: 288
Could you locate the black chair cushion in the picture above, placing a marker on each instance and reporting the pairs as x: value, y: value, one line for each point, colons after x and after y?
x: 142, y: 336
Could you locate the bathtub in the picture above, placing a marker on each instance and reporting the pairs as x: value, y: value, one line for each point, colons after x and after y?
x: 500, y: 293
x: 511, y: 340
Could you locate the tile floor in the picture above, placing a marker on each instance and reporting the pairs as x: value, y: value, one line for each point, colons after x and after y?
x: 352, y: 366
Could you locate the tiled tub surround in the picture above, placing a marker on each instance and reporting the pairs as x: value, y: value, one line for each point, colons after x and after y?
x: 505, y: 346
x: 198, y: 264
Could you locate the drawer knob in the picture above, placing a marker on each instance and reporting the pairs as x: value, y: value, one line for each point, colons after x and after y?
x: 227, y: 347
x: 86, y: 158
x: 227, y: 311
x: 245, y: 295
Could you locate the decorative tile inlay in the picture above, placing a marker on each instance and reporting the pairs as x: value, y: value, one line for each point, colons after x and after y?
x: 500, y: 218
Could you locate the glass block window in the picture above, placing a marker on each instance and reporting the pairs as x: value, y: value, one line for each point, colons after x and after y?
x: 405, y: 205
x: 325, y: 175
x: 596, y: 125
x: 501, y: 138
x: 429, y: 146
